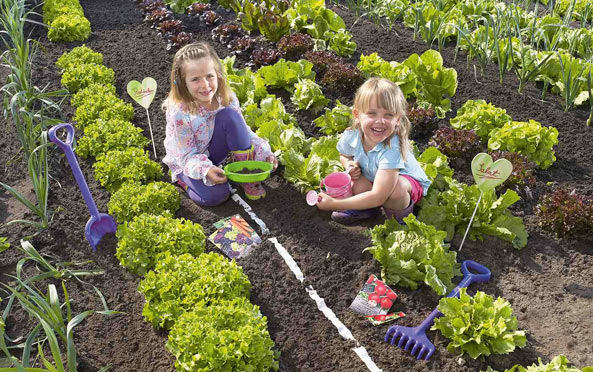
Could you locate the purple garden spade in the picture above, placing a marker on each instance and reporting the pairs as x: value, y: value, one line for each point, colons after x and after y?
x: 414, y: 338
x: 100, y: 223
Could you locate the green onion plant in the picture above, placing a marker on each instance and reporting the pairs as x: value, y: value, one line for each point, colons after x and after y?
x: 30, y: 108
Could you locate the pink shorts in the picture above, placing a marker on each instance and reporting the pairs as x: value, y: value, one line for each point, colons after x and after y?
x: 416, y: 194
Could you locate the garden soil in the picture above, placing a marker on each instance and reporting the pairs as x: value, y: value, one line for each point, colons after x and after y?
x: 549, y: 283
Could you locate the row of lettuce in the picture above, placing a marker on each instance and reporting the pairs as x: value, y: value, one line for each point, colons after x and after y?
x: 65, y: 20
x: 202, y: 299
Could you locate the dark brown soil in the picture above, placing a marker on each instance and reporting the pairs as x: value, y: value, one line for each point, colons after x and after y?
x: 249, y: 171
x: 549, y: 283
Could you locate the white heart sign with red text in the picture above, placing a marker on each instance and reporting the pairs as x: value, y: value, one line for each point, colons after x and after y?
x: 144, y: 92
x: 488, y: 174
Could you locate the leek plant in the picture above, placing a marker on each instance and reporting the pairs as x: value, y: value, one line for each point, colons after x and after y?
x: 57, y: 327
x: 572, y: 79
x: 525, y: 60
x: 431, y: 27
x: 29, y: 107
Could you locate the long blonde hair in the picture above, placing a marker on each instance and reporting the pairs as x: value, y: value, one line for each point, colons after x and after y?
x: 391, y: 98
x: 179, y: 92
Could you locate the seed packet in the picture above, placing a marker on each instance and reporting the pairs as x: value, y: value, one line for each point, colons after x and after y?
x: 375, y: 298
x: 234, y: 237
x: 380, y: 319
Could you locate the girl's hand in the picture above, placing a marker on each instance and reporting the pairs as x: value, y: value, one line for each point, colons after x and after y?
x: 216, y: 175
x: 272, y: 159
x: 355, y: 171
x: 326, y: 202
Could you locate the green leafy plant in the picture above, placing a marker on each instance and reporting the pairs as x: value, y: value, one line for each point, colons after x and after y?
x: 106, y: 107
x: 285, y: 74
x: 270, y: 108
x: 78, y: 56
x: 481, y: 117
x: 452, y: 209
x: 181, y: 283
x: 273, y: 26
x: 479, y: 325
x: 54, y: 8
x: 83, y: 75
x: 435, y: 82
x: 308, y: 96
x: 229, y: 335
x: 400, y: 73
x: 527, y: 138
x: 336, y: 120
x: 414, y: 253
x: 249, y: 87
x: 116, y: 167
x: 97, y: 92
x: 307, y: 172
x: 69, y: 27
x: 179, y: 6
x: 145, y: 238
x: 566, y: 213
x: 462, y: 144
x: 557, y: 364
x: 103, y: 136
x: 284, y: 136
x: 133, y: 199
x: 436, y: 167
x: 341, y: 42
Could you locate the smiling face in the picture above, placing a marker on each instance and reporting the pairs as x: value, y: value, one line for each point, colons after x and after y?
x: 201, y: 80
x: 377, y: 124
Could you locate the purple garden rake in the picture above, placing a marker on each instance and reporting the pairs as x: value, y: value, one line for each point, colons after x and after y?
x: 414, y: 339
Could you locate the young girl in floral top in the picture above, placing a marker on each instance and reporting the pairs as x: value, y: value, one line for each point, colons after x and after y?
x: 204, y: 125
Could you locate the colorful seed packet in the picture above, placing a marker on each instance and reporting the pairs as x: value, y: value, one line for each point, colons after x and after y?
x: 375, y: 298
x: 234, y: 237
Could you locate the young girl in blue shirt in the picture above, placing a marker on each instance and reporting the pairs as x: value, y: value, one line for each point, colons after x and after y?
x: 377, y: 152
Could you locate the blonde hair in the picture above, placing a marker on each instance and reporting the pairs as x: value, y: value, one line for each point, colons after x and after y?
x: 391, y: 98
x: 179, y: 92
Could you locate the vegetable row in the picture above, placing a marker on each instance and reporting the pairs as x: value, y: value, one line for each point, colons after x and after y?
x: 202, y: 299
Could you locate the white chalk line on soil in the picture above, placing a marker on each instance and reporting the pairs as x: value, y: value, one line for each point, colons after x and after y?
x: 292, y: 265
x: 329, y: 314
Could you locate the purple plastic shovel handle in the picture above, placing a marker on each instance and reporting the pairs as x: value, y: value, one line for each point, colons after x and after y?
x: 414, y: 339
x: 100, y: 223
x: 67, y: 148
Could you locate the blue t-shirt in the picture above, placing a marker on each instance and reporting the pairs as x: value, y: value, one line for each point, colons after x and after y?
x: 381, y: 157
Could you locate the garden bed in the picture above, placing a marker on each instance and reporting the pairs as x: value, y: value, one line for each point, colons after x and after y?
x: 549, y: 283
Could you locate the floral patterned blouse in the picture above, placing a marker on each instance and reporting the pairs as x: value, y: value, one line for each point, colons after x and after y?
x: 188, y: 138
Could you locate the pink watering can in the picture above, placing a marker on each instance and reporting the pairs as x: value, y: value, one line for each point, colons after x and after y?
x: 337, y: 185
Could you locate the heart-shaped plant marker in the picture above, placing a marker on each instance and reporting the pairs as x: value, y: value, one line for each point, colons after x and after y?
x: 488, y: 174
x: 144, y: 92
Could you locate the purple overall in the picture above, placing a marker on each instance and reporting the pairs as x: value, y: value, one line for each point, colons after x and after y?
x: 230, y: 134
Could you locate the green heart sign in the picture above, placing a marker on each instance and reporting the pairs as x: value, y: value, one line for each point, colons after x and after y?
x: 144, y: 92
x: 490, y: 174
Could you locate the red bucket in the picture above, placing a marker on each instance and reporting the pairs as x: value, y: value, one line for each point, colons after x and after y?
x: 338, y: 185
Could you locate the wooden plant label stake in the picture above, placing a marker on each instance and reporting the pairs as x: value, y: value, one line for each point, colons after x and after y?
x: 487, y: 175
x: 143, y: 93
